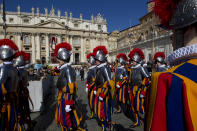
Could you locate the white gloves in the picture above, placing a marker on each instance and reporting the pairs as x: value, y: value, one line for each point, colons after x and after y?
x: 142, y: 96
x: 117, y: 86
x: 68, y: 109
x: 95, y: 92
x: 100, y: 98
x: 86, y: 89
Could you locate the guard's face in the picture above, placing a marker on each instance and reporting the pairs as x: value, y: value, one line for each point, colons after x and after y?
x: 89, y: 65
x: 134, y: 63
x: 60, y: 62
x: 119, y: 64
x: 98, y: 62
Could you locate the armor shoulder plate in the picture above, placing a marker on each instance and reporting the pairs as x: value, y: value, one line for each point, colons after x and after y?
x: 106, y: 73
x: 70, y: 74
x: 3, y: 74
x: 144, y: 72
x: 125, y: 72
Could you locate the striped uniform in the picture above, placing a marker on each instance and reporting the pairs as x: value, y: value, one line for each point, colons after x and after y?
x: 172, y: 99
x: 90, y: 85
x: 66, y: 114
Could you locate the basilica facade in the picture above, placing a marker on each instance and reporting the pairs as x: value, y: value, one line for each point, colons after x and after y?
x: 37, y: 33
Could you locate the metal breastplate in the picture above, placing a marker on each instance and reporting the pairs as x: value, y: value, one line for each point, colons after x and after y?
x: 67, y: 75
x: 136, y: 76
x: 23, y: 76
x: 119, y: 74
x: 103, y: 74
x: 9, y: 77
x: 161, y: 69
x: 91, y: 75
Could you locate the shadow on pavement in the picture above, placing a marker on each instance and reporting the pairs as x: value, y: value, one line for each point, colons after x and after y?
x: 119, y: 127
x: 48, y: 107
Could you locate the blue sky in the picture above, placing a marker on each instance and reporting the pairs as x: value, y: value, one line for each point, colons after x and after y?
x: 120, y: 14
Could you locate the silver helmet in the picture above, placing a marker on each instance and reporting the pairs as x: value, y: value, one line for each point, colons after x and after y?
x: 91, y: 60
x: 122, y: 61
x: 6, y: 52
x: 63, y: 54
x: 7, y: 49
x: 136, y: 58
x: 159, y: 59
x: 100, y: 56
x: 185, y: 14
x: 19, y: 61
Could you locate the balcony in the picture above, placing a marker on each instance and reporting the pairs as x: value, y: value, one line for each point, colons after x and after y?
x: 76, y: 45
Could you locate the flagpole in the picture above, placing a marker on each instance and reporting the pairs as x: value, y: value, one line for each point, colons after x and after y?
x: 116, y: 65
x: 153, y: 43
x: 4, y: 19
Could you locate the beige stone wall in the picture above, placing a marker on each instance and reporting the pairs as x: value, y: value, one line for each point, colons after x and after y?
x: 37, y: 30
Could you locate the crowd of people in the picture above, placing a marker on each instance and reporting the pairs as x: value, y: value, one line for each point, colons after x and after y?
x: 165, y: 96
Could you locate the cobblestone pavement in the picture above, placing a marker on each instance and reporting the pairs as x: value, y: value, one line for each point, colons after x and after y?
x: 46, y: 118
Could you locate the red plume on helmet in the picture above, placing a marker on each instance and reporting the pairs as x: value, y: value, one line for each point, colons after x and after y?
x: 89, y: 55
x: 9, y: 43
x: 19, y: 53
x: 122, y: 55
x: 65, y: 45
x: 24, y: 54
x: 103, y: 48
x: 159, y: 54
x: 165, y: 9
x: 27, y: 55
x: 136, y: 51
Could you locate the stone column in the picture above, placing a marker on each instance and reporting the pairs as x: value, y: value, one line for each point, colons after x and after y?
x: 38, y: 46
x: 33, y: 48
x: 72, y: 55
x: 19, y: 42
x: 67, y: 38
x: 58, y: 39
x: 47, y: 48
x: 82, y: 50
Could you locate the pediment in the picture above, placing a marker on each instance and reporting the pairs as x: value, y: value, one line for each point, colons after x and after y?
x: 50, y: 24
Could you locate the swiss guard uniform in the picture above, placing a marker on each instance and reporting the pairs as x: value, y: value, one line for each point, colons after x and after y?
x: 66, y: 114
x: 173, y: 95
x: 121, y: 81
x: 23, y: 93
x: 104, y: 85
x: 159, y: 58
x: 90, y: 84
x: 8, y: 89
x: 138, y: 85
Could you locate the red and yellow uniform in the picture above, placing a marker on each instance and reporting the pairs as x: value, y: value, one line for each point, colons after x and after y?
x: 172, y: 101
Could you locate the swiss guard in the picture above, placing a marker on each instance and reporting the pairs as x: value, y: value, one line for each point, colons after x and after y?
x: 20, y: 61
x: 90, y: 84
x: 121, y: 81
x: 173, y: 95
x: 138, y: 85
x: 66, y: 114
x: 104, y: 85
x: 8, y: 89
x: 159, y: 59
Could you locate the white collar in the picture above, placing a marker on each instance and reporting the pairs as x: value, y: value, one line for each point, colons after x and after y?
x: 138, y: 65
x: 92, y: 67
x: 101, y: 65
x: 163, y: 65
x: 64, y: 65
x: 121, y: 67
x: 1, y: 65
x: 21, y: 67
x: 182, y: 54
x: 7, y: 63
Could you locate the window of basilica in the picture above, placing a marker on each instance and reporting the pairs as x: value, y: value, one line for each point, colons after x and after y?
x: 27, y: 40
